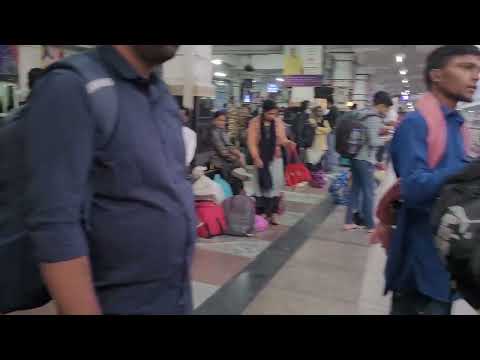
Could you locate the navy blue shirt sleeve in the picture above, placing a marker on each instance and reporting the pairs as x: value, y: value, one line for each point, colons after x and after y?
x: 59, y: 144
x: 419, y: 184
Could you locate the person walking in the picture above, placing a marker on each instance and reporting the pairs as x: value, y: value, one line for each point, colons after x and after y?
x: 414, y: 271
x: 363, y: 164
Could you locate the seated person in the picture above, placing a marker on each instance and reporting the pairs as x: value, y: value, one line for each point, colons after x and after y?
x: 189, y: 136
x: 226, y: 158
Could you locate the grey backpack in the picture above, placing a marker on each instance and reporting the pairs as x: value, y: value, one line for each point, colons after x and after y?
x: 240, y: 215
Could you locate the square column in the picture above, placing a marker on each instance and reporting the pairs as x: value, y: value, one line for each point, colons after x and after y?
x: 189, y: 74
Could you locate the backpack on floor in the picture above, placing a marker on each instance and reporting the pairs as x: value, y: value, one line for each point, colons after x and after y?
x: 351, y: 134
x: 21, y: 285
x: 240, y: 215
x: 261, y: 224
x: 227, y: 189
x: 456, y: 223
x: 339, y: 189
x: 211, y: 218
x: 318, y: 179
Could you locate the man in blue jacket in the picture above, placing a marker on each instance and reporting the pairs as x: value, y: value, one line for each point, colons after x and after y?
x: 414, y: 272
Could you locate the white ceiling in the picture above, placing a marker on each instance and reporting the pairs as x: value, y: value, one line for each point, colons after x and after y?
x: 376, y: 60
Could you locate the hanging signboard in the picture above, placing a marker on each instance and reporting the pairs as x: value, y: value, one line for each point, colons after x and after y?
x: 312, y: 59
x: 303, y: 80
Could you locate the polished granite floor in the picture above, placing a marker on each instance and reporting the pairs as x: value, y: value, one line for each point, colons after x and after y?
x: 219, y: 260
x: 333, y: 273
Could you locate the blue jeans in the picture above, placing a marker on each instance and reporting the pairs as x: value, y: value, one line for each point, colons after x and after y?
x: 332, y: 156
x: 362, y: 187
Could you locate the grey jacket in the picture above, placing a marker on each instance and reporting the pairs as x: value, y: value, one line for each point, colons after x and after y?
x: 222, y: 147
x: 374, y: 124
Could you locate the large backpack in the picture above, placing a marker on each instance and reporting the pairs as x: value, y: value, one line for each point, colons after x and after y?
x: 456, y: 223
x: 21, y: 286
x: 351, y: 134
x: 240, y: 215
x: 211, y: 218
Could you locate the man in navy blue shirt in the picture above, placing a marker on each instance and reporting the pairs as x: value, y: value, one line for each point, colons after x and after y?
x: 136, y: 256
x: 414, y: 272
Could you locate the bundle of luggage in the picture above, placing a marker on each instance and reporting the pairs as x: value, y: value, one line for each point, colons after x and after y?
x: 219, y: 212
x: 339, y: 189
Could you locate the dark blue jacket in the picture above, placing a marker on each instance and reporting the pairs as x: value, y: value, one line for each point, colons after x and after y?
x: 142, y: 235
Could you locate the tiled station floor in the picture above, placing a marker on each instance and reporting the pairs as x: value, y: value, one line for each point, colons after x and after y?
x: 329, y: 272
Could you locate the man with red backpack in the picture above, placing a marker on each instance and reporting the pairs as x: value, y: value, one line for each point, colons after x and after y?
x: 414, y: 272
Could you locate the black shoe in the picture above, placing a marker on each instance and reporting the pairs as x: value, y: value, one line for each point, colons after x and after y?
x: 358, y: 220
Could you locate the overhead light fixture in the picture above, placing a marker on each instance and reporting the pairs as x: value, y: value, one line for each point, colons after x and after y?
x: 399, y: 58
x: 219, y: 74
x: 254, y: 81
x: 280, y: 79
x: 405, y: 81
x: 350, y: 103
x: 217, y: 62
x: 403, y: 72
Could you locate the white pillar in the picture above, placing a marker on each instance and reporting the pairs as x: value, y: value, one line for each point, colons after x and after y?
x: 360, y: 90
x: 343, y: 76
x: 189, y: 74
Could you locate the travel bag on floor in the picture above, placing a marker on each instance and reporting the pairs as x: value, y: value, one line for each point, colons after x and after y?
x: 296, y: 172
x: 339, y: 189
x: 318, y: 179
x: 227, y: 189
x: 240, y: 215
x: 211, y: 218
x: 261, y: 224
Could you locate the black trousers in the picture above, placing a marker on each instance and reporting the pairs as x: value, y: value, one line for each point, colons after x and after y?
x: 412, y: 302
x: 267, y: 206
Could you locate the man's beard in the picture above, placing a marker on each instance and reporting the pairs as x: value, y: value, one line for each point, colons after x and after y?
x: 155, y: 54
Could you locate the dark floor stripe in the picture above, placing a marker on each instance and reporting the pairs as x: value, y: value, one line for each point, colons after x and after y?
x: 234, y: 297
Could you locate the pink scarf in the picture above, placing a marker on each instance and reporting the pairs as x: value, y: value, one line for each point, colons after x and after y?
x: 430, y: 109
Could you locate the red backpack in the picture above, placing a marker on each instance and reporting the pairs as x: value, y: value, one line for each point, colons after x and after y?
x: 296, y: 172
x: 211, y: 218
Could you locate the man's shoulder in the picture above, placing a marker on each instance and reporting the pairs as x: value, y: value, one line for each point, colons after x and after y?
x: 413, y: 120
x: 59, y: 81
